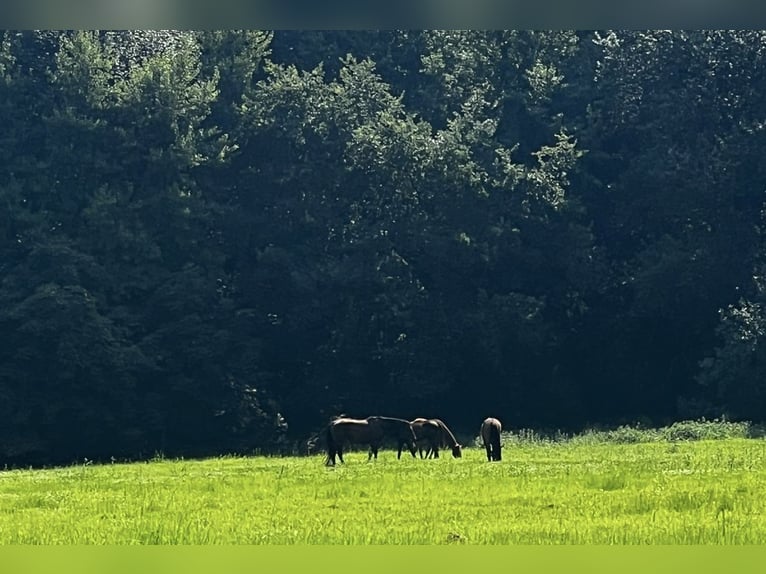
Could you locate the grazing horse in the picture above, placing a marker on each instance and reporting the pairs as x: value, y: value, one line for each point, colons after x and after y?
x: 490, y: 436
x: 434, y: 433
x: 371, y: 431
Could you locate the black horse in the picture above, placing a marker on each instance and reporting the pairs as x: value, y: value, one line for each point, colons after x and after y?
x: 371, y: 431
x: 490, y: 436
x: 433, y: 433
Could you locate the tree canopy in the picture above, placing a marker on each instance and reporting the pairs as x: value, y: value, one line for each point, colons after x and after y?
x: 214, y: 241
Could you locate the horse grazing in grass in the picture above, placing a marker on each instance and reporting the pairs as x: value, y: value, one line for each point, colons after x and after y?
x: 371, y: 431
x: 433, y: 433
x: 490, y: 436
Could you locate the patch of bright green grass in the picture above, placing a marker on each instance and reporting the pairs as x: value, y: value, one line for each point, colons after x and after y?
x: 701, y: 492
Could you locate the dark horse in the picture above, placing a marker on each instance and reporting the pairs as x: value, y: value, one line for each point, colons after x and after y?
x: 490, y: 436
x: 433, y: 433
x: 371, y: 431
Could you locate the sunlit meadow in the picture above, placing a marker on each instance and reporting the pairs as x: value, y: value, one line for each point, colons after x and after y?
x: 542, y: 492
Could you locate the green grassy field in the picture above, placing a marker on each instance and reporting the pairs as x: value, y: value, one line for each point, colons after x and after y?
x: 697, y: 492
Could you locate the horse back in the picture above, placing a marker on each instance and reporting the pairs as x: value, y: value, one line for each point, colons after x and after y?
x: 425, y: 427
x: 350, y: 430
x: 393, y: 427
x: 348, y: 421
x: 490, y: 429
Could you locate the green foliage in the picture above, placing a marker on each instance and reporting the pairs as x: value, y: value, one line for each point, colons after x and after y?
x: 688, y: 430
x: 109, y: 256
x: 732, y: 375
x: 706, y: 430
x: 207, y: 235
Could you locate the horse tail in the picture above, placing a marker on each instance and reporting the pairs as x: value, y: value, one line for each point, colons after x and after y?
x: 494, y: 434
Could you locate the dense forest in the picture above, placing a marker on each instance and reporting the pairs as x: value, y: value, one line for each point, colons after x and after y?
x: 214, y: 241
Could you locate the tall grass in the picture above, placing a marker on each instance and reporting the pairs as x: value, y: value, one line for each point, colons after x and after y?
x: 575, y: 491
x: 715, y: 429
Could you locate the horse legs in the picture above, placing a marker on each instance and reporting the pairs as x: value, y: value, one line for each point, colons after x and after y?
x: 332, y: 452
x: 489, y: 453
x: 410, y: 447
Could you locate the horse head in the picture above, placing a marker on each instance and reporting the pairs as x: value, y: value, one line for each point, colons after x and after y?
x: 412, y: 448
x: 413, y: 441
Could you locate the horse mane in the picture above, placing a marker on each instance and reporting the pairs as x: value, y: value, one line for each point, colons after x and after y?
x: 445, y: 431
